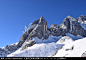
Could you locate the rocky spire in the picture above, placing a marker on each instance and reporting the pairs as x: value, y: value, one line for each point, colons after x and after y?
x: 37, y: 29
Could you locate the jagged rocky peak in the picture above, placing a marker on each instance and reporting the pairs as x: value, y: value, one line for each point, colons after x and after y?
x: 54, y: 30
x: 54, y: 26
x: 82, y: 19
x: 70, y: 18
x: 41, y: 18
x: 37, y: 29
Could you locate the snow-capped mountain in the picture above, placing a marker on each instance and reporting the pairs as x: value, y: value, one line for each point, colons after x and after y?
x: 40, y: 41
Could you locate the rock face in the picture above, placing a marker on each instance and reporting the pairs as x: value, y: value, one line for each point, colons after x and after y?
x: 54, y: 29
x: 37, y: 29
x: 28, y: 44
x: 69, y: 25
x: 7, y: 50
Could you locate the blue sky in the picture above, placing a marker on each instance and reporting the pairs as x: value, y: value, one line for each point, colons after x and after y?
x: 15, y: 14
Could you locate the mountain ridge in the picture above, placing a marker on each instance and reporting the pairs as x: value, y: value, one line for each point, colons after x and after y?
x: 40, y: 30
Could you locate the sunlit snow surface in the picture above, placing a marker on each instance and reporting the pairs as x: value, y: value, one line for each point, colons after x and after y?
x: 79, y: 47
x: 40, y: 49
x: 37, y: 50
x: 49, y: 40
x: 47, y: 48
x: 65, y: 40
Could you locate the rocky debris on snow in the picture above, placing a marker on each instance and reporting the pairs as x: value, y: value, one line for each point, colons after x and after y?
x: 70, y: 48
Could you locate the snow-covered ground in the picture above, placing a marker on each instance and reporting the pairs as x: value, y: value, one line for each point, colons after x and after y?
x: 40, y: 49
x: 49, y: 40
x: 73, y: 49
x: 61, y: 46
x: 37, y: 50
x: 43, y: 48
x: 65, y: 40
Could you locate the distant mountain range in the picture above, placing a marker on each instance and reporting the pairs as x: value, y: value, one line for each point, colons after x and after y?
x: 39, y: 37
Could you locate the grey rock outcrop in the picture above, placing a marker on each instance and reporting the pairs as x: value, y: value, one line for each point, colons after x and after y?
x: 37, y: 29
x: 76, y: 28
x: 28, y: 44
x: 69, y: 25
x: 7, y: 50
x: 54, y: 30
x: 82, y: 19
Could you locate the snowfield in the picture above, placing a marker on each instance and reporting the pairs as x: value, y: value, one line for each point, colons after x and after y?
x: 43, y: 48
x: 37, y: 50
x: 65, y: 40
x: 73, y: 49
x: 53, y: 47
x: 49, y: 40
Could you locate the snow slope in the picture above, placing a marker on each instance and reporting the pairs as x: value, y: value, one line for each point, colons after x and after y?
x: 65, y: 40
x: 49, y: 40
x: 73, y: 49
x: 43, y: 48
x: 63, y: 47
x: 37, y: 50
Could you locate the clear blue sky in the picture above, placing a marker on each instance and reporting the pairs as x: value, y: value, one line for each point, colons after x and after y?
x: 15, y: 14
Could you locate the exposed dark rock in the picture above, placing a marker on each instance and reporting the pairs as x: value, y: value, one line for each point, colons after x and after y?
x: 28, y: 44
x: 69, y: 25
x: 70, y: 48
x: 37, y: 29
x: 54, y: 30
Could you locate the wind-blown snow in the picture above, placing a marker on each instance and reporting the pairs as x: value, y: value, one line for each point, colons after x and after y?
x: 79, y: 47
